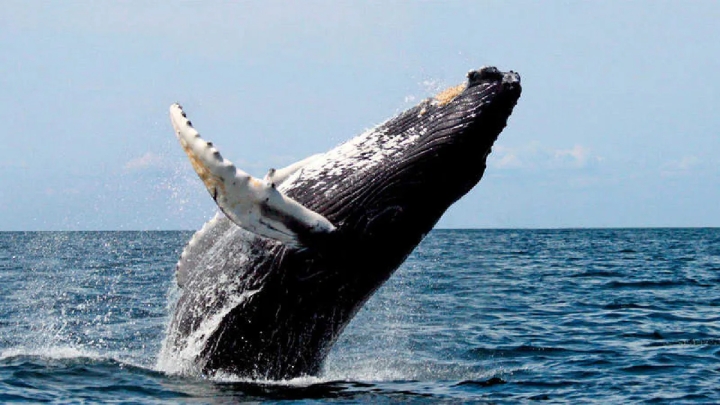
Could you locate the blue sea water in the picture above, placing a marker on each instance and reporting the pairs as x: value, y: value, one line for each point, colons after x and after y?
x: 474, y: 316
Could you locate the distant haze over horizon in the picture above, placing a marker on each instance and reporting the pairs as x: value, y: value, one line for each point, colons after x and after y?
x: 617, y: 126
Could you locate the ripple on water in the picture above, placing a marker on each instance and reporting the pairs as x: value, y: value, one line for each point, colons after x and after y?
x: 501, y: 316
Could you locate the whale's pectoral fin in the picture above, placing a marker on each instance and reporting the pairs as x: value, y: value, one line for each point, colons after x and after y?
x: 253, y: 204
x: 277, y: 176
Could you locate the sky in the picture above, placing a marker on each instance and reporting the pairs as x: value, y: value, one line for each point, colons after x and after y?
x: 617, y: 125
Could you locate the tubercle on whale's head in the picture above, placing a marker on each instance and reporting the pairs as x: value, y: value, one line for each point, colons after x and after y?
x: 491, y: 75
x: 492, y: 87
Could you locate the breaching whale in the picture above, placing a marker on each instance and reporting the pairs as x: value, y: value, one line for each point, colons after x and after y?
x: 267, y: 285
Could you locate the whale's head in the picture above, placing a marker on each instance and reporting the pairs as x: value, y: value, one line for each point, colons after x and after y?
x: 388, y: 187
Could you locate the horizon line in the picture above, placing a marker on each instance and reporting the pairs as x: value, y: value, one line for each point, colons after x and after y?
x: 568, y: 228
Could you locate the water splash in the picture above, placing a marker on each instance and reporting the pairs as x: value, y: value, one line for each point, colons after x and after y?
x: 181, y: 357
x: 84, y: 292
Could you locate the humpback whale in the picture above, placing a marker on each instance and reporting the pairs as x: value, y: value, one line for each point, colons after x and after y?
x: 266, y: 286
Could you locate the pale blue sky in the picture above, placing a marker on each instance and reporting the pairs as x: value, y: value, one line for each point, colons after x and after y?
x: 617, y: 125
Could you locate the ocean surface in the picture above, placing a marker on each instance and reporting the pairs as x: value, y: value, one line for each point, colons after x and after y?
x: 473, y: 316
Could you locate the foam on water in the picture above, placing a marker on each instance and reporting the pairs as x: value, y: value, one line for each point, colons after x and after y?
x: 305, y: 381
x: 182, y: 360
x: 54, y: 353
